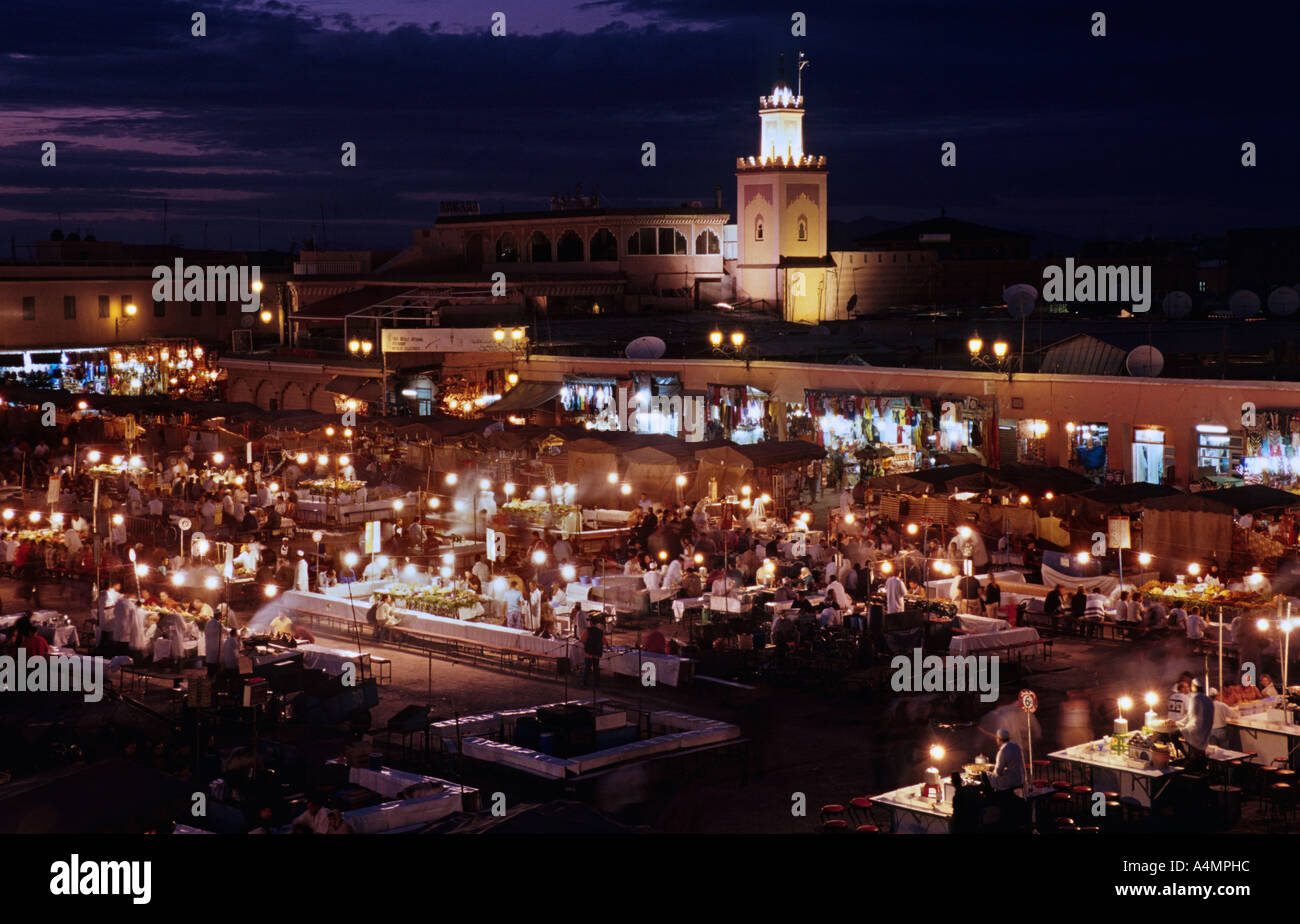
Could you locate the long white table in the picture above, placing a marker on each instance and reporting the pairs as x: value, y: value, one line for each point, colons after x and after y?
x: 1024, y: 637
x: 624, y: 661
x: 1132, y: 777
x: 912, y: 814
x: 1267, y: 736
x: 978, y: 624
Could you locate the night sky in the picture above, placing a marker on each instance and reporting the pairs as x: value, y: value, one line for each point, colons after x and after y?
x: 1058, y: 132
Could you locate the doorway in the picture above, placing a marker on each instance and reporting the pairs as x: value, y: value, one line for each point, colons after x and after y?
x: 1149, y: 456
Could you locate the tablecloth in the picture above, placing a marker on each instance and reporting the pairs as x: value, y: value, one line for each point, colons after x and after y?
x: 982, y: 623
x: 1011, y: 638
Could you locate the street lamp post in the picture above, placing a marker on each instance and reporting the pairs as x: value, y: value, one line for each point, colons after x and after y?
x: 998, y: 359
x: 127, y: 311
x: 732, y: 345
x: 363, y: 348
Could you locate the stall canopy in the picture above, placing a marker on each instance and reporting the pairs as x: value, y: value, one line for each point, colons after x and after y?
x: 1252, y: 497
x: 940, y: 480
x: 1180, y: 528
x: 526, y: 396
x: 355, y: 386
x: 1039, y: 479
x: 653, y: 470
x: 591, y: 461
x: 731, y: 464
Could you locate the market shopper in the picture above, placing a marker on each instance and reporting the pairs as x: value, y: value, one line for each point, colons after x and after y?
x: 593, y: 647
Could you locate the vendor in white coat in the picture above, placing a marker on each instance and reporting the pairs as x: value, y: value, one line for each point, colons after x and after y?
x: 301, y: 581
x: 137, y: 629
x: 121, y: 621
x: 1198, y: 724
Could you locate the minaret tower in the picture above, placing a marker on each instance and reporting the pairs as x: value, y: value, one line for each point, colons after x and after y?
x: 781, y: 210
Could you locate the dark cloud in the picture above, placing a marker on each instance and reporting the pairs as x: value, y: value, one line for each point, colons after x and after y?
x: 1139, y: 132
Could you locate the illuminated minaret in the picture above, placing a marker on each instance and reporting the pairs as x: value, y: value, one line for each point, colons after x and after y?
x: 781, y: 211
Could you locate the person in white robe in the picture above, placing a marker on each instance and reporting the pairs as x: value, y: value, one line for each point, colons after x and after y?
x: 301, y: 580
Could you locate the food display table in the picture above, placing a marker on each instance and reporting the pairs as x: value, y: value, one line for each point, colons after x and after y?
x: 51, y: 625
x: 913, y: 814
x: 1129, y: 776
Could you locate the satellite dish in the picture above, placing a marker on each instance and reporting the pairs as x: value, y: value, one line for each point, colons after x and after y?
x: 1145, y: 361
x: 853, y: 303
x: 645, y: 348
x: 1283, y: 301
x: 1176, y: 305
x: 1020, y: 299
x: 247, y: 320
x: 1243, y: 304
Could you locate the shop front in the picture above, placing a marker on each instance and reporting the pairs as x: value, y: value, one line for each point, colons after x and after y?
x: 740, y: 413
x: 1088, y: 447
x: 874, y: 436
x: 644, y: 402
x: 173, y: 368
x: 1153, y: 456
x: 1269, y: 451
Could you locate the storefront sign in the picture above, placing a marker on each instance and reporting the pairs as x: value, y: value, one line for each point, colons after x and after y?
x: 441, y: 340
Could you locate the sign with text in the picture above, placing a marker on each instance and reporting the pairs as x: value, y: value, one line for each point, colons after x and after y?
x: 440, y: 340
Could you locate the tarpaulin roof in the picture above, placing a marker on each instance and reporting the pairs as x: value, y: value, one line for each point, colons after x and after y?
x: 941, y: 479
x: 356, y: 386
x: 761, y: 455
x: 1128, y: 493
x: 1252, y: 497
x: 15, y: 393
x: 526, y: 396
x: 1037, y: 479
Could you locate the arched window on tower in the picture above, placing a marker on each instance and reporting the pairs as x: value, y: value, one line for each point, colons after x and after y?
x: 803, y: 228
x: 569, y: 249
x: 603, y: 246
x: 539, y: 248
x: 706, y: 243
x: 758, y: 228
x: 507, y: 248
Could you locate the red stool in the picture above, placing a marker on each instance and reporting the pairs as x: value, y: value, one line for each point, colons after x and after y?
x: 861, y: 806
x: 835, y: 825
x: 867, y: 829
